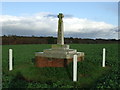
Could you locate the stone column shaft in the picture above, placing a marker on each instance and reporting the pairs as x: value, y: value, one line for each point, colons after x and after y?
x: 60, y: 39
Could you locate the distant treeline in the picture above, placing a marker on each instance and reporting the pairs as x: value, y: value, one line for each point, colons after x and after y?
x: 13, y: 40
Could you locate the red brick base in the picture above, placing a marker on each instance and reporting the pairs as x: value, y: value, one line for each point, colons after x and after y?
x: 53, y: 62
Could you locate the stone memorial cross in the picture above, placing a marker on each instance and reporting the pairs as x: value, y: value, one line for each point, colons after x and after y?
x: 60, y: 55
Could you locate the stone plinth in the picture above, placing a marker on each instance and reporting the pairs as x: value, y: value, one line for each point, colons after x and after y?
x: 53, y: 62
x: 57, y: 56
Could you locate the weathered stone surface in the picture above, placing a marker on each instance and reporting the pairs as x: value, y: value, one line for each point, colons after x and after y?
x: 59, y: 54
x: 58, y: 46
x: 60, y: 39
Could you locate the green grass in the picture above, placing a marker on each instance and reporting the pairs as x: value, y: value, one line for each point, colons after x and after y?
x: 90, y: 72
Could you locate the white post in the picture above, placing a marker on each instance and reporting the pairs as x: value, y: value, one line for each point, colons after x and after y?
x: 103, y: 62
x: 75, y: 68
x: 10, y: 59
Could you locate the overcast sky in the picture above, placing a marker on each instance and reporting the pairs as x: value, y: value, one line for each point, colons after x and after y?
x: 82, y: 19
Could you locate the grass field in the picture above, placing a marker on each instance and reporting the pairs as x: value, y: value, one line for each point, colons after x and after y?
x: 90, y: 72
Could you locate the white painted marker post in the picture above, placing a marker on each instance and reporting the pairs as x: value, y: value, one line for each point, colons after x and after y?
x: 103, y: 62
x: 75, y: 68
x: 10, y: 59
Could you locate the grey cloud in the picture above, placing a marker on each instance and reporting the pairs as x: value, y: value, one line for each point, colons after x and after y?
x: 51, y: 15
x: 55, y: 15
x: 116, y: 29
x: 28, y: 32
x: 49, y: 32
x: 68, y: 16
x: 93, y: 34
